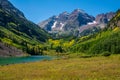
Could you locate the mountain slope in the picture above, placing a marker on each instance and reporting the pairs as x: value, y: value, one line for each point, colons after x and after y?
x: 13, y: 19
x: 16, y: 30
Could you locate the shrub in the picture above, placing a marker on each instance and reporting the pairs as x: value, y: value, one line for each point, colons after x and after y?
x: 106, y: 54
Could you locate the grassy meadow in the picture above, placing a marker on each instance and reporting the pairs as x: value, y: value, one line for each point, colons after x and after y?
x: 94, y: 68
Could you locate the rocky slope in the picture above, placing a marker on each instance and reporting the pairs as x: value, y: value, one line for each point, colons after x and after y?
x: 7, y: 50
x: 104, y: 18
x: 100, y: 22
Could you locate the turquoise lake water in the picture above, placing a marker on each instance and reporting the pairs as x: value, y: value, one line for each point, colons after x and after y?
x: 14, y: 60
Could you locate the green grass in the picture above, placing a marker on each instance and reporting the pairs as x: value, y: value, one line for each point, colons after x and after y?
x: 95, y: 68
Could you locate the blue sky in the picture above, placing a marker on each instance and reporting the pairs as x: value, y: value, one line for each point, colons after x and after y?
x: 38, y: 10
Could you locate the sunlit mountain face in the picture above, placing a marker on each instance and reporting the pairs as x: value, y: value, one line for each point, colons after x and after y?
x: 76, y: 22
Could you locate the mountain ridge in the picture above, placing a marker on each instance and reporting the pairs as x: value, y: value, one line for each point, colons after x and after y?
x: 76, y: 21
x: 65, y: 18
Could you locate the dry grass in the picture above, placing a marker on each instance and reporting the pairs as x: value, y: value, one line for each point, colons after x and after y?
x: 96, y: 68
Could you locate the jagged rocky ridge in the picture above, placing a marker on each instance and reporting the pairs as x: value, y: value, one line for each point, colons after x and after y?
x: 66, y: 21
x: 76, y: 23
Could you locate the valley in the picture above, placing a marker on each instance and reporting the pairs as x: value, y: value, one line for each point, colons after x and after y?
x: 68, y: 46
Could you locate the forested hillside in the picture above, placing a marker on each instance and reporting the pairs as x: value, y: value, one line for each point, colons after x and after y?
x: 17, y: 31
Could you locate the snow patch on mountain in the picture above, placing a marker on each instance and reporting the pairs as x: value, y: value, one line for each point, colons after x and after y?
x: 62, y: 25
x: 90, y: 23
x: 109, y: 19
x: 54, y: 25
